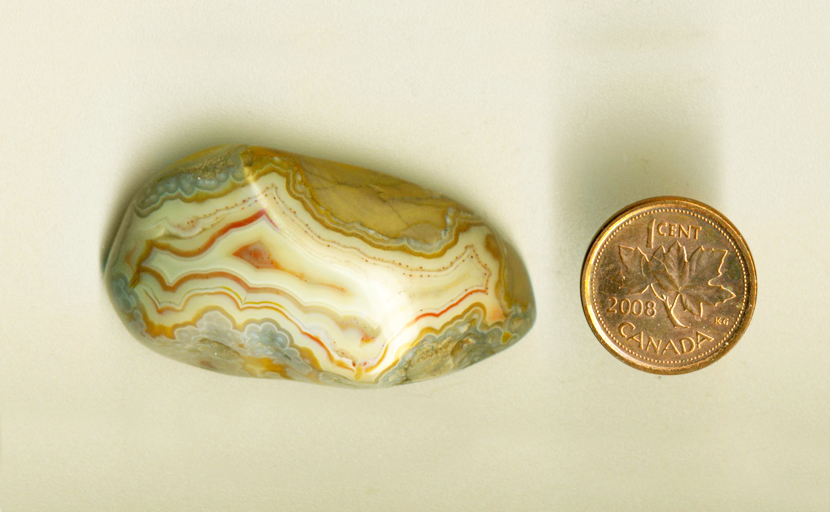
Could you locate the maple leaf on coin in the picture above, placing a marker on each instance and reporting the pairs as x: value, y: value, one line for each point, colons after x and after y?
x: 674, y: 278
x: 634, y: 277
x: 704, y: 266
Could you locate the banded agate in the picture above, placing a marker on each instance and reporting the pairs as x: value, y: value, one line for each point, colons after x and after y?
x: 255, y: 262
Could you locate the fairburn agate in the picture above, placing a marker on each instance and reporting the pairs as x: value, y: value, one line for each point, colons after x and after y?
x: 255, y: 262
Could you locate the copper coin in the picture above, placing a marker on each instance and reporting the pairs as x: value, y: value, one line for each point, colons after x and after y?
x: 668, y: 285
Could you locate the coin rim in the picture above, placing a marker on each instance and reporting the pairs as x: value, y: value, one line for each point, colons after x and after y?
x: 614, y: 222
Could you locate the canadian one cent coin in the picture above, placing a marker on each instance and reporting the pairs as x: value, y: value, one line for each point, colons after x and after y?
x: 668, y: 285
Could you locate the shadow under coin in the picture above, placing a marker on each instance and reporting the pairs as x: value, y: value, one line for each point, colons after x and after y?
x: 627, y: 127
x: 628, y: 157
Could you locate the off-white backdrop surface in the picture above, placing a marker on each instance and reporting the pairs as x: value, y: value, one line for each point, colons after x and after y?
x: 545, y: 117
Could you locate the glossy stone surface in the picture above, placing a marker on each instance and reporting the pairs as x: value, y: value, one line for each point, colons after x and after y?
x: 256, y: 262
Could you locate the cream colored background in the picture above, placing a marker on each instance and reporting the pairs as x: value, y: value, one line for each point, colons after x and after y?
x: 546, y: 117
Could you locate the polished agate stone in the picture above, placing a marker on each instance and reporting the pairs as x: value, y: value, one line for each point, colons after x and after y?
x: 255, y: 262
